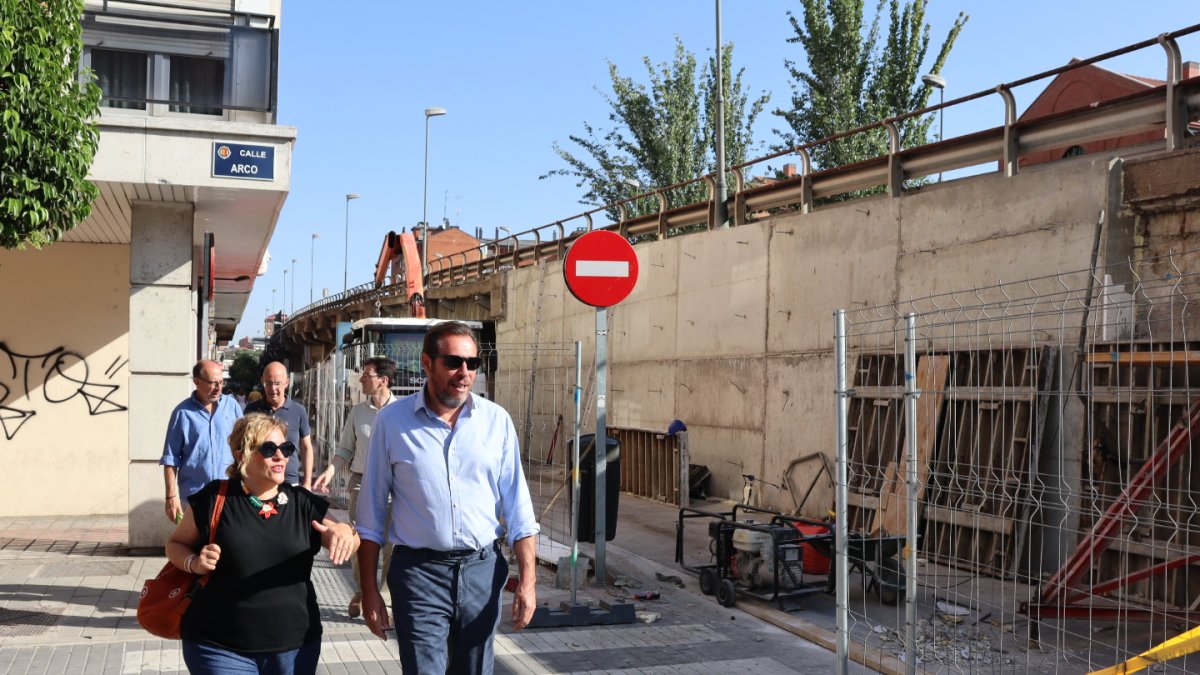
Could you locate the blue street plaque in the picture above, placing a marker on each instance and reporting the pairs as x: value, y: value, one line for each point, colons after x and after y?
x: 239, y: 160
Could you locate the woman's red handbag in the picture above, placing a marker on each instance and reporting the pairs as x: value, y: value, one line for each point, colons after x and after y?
x: 166, y: 597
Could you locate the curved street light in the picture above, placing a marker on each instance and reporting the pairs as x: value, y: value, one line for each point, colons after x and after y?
x: 346, y: 252
x: 292, y: 307
x: 429, y: 112
x: 312, y: 251
x: 938, y: 82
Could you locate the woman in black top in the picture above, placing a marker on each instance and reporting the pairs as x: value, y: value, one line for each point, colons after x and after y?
x: 258, y: 612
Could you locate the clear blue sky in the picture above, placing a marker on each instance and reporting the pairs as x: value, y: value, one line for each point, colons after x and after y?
x: 355, y: 79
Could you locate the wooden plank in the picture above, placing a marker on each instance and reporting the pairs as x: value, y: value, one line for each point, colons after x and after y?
x: 890, y: 492
x: 1047, y: 363
x: 970, y: 520
x: 885, y: 393
x: 1153, y: 549
x: 862, y: 501
x: 1183, y: 358
x: 931, y: 381
x: 929, y: 413
x: 997, y: 393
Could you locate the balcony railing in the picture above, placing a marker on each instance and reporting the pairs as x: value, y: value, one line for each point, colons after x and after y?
x: 181, y: 57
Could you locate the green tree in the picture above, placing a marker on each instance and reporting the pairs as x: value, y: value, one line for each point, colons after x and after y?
x: 47, y: 134
x: 245, y: 372
x: 663, y: 133
x: 853, y: 80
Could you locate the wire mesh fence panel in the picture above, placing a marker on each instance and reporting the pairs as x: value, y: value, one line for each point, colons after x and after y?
x: 318, y: 389
x: 535, y: 383
x: 1054, y: 474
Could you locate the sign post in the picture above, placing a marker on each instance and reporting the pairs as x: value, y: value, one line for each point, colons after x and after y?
x: 601, y: 270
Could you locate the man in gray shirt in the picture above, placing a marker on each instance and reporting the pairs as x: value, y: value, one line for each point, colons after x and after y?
x: 376, y: 380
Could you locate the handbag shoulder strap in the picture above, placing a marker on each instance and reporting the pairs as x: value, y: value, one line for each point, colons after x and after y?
x: 212, y: 525
x: 217, y: 508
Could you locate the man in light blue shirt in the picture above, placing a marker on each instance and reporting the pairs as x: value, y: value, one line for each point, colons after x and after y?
x: 450, y: 461
x: 196, y: 451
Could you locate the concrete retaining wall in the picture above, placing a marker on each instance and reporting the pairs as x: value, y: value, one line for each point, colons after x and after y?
x: 731, y: 330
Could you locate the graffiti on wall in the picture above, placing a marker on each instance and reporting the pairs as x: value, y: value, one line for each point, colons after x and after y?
x: 56, y: 377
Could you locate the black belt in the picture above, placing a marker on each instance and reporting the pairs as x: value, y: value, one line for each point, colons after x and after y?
x: 457, y: 554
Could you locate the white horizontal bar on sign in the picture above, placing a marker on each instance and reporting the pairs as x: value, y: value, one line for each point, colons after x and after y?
x: 601, y: 268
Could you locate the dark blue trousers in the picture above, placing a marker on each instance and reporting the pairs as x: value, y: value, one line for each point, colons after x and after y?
x: 202, y: 659
x: 446, y: 607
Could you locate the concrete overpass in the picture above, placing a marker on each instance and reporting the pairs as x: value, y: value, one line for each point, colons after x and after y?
x: 730, y: 329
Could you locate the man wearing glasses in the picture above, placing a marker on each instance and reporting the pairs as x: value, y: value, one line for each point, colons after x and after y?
x: 196, y: 451
x: 450, y: 462
x: 376, y: 379
x: 275, y: 403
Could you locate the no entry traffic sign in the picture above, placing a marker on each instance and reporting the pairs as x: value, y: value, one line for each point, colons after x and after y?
x: 601, y: 268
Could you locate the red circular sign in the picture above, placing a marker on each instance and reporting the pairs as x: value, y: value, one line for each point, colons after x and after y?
x: 601, y: 268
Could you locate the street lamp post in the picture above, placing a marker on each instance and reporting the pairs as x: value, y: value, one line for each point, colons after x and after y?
x: 429, y: 112
x: 312, y: 251
x: 285, y: 302
x: 939, y: 83
x: 721, y: 215
x: 292, y: 307
x: 346, y: 254
x: 273, y: 299
x: 636, y: 185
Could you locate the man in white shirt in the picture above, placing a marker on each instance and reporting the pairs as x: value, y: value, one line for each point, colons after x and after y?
x: 376, y: 380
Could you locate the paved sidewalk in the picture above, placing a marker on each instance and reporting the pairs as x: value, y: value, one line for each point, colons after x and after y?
x: 68, y: 593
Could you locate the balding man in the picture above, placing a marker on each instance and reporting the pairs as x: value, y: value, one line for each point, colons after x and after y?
x: 196, y: 450
x: 276, y: 403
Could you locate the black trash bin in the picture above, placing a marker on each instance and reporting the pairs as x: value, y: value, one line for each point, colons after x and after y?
x: 585, y: 515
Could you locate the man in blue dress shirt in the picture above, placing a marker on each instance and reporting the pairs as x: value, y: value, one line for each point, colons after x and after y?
x: 450, y: 461
x: 196, y: 450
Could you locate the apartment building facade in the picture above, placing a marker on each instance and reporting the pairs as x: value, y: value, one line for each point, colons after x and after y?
x: 102, y: 328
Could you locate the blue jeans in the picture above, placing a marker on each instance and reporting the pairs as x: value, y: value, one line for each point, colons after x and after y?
x: 446, y: 607
x: 202, y: 659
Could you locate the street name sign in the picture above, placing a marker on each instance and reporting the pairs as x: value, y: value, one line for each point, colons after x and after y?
x: 241, y: 160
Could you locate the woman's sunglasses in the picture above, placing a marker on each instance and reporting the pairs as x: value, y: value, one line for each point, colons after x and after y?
x: 454, y: 362
x: 268, y: 448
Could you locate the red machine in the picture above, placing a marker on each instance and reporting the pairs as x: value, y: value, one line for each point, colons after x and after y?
x: 400, y: 262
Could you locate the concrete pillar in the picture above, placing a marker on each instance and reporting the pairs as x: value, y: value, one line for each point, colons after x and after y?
x: 162, y: 320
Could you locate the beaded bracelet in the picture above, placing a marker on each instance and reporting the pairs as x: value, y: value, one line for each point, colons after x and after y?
x: 188, y: 563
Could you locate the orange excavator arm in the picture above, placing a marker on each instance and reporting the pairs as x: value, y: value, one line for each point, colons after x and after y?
x: 399, y: 261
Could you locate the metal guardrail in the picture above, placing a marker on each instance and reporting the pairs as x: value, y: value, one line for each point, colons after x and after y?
x: 1165, y: 106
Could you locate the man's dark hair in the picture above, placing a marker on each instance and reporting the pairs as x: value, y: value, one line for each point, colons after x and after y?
x: 384, y: 367
x: 433, y: 339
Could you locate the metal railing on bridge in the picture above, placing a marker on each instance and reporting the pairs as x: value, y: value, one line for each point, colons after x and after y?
x: 1169, y: 107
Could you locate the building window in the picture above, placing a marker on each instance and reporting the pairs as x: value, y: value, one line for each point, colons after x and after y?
x: 122, y: 78
x: 1073, y: 151
x: 199, y: 82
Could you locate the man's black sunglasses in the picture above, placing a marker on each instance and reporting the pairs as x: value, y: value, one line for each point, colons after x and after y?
x: 268, y: 449
x: 454, y: 362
